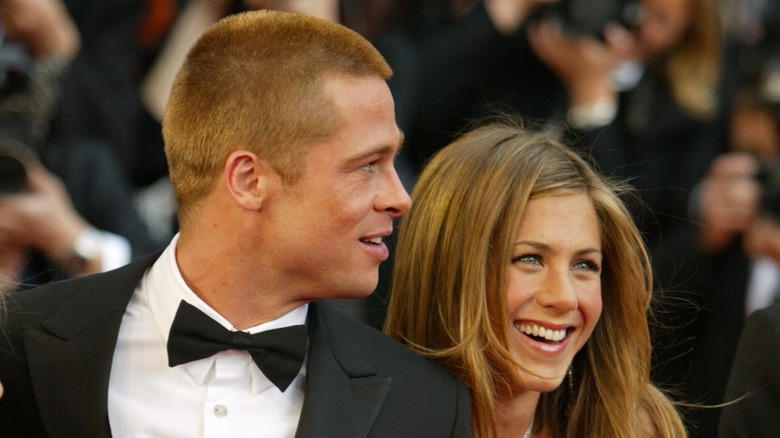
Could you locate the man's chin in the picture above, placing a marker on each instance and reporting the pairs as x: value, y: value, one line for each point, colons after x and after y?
x: 356, y: 290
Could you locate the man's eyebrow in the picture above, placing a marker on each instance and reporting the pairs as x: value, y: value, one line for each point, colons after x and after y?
x: 381, y: 150
x: 401, y: 138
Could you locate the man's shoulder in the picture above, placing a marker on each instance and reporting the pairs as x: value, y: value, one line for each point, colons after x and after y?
x: 432, y: 401
x: 764, y: 322
x: 45, y: 299
x: 773, y: 312
x: 383, y: 352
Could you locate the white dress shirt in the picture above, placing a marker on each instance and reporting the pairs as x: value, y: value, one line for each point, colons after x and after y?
x: 114, y: 250
x: 225, y: 395
x: 763, y: 284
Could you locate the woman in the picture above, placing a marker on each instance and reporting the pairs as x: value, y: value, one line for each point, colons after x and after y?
x: 519, y: 267
x: 662, y: 127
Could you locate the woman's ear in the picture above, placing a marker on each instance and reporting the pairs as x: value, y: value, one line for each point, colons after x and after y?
x: 249, y: 179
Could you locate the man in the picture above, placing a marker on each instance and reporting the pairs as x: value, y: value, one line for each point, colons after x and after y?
x: 280, y: 138
x: 753, y: 395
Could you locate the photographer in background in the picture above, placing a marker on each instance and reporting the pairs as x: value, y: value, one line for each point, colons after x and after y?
x: 65, y: 190
x: 737, y: 205
x: 649, y: 102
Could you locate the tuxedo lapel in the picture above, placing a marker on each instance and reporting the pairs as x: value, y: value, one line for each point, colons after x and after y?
x: 70, y: 357
x: 343, y: 393
x: 71, y: 378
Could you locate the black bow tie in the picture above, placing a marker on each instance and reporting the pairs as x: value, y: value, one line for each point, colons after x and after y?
x: 279, y: 353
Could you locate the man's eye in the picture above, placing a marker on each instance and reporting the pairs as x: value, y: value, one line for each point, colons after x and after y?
x: 368, y: 167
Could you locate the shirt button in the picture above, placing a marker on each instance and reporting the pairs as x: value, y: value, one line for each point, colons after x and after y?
x: 220, y: 411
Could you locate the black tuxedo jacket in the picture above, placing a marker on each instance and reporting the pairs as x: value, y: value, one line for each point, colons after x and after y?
x: 58, y: 345
x: 755, y: 375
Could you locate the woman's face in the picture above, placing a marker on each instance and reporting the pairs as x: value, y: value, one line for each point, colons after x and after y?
x: 663, y: 24
x: 554, y: 288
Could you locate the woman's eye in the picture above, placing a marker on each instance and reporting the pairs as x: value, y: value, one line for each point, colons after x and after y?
x: 529, y: 259
x: 587, y: 265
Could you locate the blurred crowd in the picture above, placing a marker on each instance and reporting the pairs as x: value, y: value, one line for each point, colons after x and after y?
x: 679, y: 97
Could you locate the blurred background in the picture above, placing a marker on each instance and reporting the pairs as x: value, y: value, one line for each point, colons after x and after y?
x: 680, y: 97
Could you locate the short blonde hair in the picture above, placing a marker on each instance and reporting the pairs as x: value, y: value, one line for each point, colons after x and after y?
x: 255, y: 81
x: 448, y: 297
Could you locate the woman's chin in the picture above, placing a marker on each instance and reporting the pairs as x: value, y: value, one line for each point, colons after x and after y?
x: 527, y: 382
x: 546, y: 386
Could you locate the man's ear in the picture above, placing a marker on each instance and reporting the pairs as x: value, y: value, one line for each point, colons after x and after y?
x: 249, y: 179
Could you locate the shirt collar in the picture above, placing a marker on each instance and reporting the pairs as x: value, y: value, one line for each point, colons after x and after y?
x: 165, y: 288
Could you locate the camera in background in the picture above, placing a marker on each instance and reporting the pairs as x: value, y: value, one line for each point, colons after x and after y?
x: 14, y: 159
x: 589, y: 17
x: 15, y: 153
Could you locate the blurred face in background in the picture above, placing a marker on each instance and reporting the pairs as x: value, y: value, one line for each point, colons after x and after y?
x: 754, y: 129
x: 662, y: 26
x: 327, y: 9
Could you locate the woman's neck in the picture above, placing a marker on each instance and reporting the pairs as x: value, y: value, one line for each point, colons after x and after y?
x: 514, y: 414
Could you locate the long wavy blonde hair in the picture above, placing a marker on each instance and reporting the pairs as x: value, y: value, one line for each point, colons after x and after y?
x: 449, y: 283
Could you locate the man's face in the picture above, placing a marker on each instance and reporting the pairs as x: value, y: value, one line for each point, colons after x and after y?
x: 328, y: 226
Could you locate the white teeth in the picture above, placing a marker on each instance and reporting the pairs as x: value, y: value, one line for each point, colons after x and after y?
x: 376, y: 240
x: 541, y: 332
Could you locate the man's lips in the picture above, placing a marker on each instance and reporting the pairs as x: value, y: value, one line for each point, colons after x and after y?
x: 374, y: 243
x: 376, y: 238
